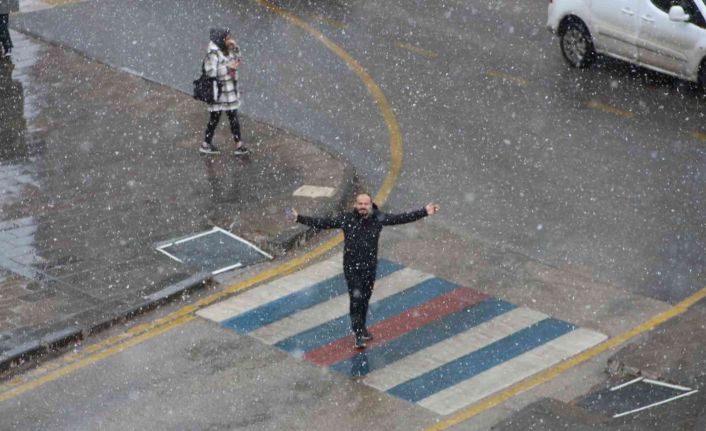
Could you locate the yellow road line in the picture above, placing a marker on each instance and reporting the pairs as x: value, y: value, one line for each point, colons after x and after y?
x: 93, y: 358
x: 594, y: 104
x: 507, y: 77
x: 417, y: 50
x: 699, y: 135
x: 551, y: 373
x: 146, y: 331
x: 329, y: 21
x: 373, y: 88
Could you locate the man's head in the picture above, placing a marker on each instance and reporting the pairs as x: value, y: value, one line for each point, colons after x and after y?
x: 363, y: 204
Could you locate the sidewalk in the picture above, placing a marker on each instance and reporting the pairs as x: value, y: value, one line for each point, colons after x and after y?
x: 97, y: 166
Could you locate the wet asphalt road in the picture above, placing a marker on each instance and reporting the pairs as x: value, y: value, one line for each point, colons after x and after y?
x: 596, y: 171
x: 593, y: 172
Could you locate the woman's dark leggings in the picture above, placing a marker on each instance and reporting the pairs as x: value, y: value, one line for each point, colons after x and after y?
x: 213, y: 122
x: 5, y: 33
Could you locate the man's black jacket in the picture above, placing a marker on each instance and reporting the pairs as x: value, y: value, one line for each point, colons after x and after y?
x: 360, y: 250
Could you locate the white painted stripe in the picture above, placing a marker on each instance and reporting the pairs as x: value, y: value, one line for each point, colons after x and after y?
x: 244, y: 241
x: 336, y: 307
x: 626, y: 384
x: 667, y: 385
x: 227, y: 268
x: 170, y: 255
x: 506, y: 374
x: 276, y: 289
x: 189, y: 238
x: 453, y: 348
x: 656, y: 404
x: 315, y: 191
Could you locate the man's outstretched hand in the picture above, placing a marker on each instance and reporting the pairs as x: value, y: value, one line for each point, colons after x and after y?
x: 291, y: 214
x: 432, y: 209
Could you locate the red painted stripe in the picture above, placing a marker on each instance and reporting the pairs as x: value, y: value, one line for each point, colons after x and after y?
x: 396, y: 326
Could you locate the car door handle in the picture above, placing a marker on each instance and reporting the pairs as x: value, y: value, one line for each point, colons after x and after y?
x: 627, y: 11
x: 647, y: 18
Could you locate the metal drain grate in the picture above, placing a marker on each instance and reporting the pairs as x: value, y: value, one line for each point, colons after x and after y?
x: 215, y: 251
x: 634, y: 396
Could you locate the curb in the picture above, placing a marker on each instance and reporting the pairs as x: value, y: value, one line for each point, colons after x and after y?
x: 281, y: 243
x: 44, y: 341
x: 72, y: 332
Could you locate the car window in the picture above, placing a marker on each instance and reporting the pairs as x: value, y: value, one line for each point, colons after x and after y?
x: 663, y: 4
x: 689, y: 7
x: 692, y: 10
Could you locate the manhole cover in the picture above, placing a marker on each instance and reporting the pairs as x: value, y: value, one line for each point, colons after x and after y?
x: 216, y: 251
x: 634, y: 396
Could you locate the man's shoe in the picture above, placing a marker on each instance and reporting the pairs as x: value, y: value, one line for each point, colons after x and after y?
x: 366, y: 336
x: 241, y: 151
x: 359, y: 342
x: 208, y: 149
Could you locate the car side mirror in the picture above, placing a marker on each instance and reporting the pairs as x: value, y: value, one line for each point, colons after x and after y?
x: 677, y: 14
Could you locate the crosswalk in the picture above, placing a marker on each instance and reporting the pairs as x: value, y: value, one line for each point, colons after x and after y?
x: 438, y: 344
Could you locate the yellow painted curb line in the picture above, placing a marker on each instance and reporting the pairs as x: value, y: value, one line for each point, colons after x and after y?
x: 378, y: 95
x: 146, y: 331
x: 70, y: 368
x: 570, y: 363
x: 594, y: 104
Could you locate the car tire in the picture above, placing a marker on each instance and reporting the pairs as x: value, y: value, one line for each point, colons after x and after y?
x: 577, y: 44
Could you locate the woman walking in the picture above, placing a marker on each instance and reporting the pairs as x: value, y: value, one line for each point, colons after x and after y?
x: 221, y: 63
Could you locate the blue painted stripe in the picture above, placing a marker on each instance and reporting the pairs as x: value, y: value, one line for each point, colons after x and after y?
x: 340, y: 327
x: 481, y: 360
x: 448, y: 326
x: 301, y: 300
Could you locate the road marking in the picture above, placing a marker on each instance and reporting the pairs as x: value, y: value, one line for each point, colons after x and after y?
x: 417, y: 50
x: 506, y: 77
x: 331, y: 309
x: 146, y: 331
x: 480, y: 360
x: 699, y: 135
x: 335, y: 329
x: 395, y: 138
x: 594, y: 104
x: 569, y: 364
x: 70, y: 368
x: 329, y: 21
x: 429, y: 338
x: 308, y: 191
x: 452, y: 348
x: 399, y: 324
x: 273, y: 291
x: 293, y: 303
x: 504, y: 375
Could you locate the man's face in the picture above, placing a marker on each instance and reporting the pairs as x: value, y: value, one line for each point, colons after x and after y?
x: 363, y: 205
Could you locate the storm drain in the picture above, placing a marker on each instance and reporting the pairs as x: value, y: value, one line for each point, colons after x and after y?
x: 634, y: 396
x: 215, y: 251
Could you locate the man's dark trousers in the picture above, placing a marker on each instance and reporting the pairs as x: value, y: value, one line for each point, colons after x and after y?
x: 360, y: 289
x: 5, y: 32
